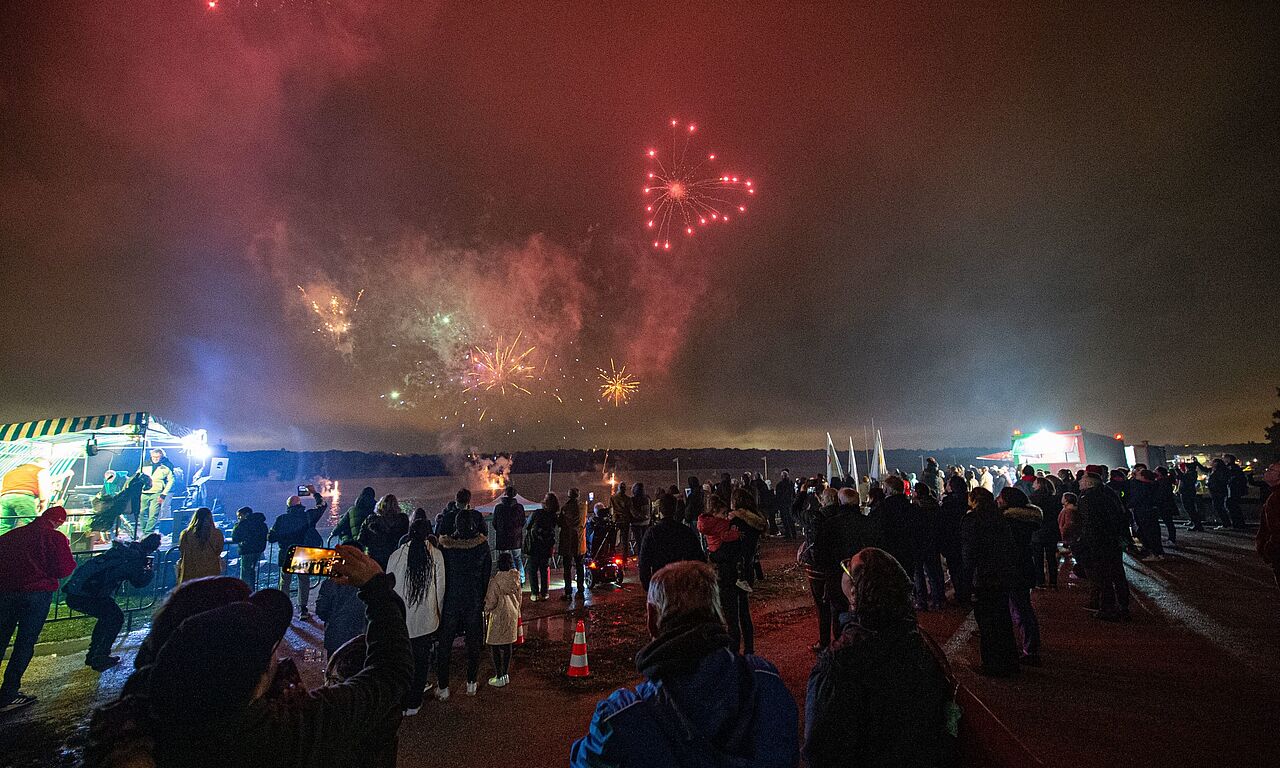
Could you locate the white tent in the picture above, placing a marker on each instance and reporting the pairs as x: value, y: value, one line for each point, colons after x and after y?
x: 529, y: 506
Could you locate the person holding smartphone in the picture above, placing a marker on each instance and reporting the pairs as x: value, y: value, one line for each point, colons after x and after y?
x: 297, y: 528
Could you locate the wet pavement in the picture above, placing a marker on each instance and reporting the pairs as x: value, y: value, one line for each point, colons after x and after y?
x: 1193, y: 679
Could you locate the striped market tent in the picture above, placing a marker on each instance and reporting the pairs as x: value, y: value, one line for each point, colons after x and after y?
x: 71, y: 428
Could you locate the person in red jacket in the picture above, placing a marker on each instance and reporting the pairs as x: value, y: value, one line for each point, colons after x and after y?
x: 1269, y: 523
x: 33, y: 558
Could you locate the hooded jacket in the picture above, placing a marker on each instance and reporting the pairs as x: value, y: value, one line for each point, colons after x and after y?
x: 540, y: 534
x: 700, y: 706
x: 466, y: 573
x: 877, y: 698
x: 297, y: 528
x: 1104, y: 524
x: 502, y: 603
x: 380, y: 535
x: 508, y: 524
x: 1024, y: 525
x: 251, y: 534
x: 33, y: 557
x: 670, y: 541
x: 348, y: 528
x: 572, y: 520
x: 339, y: 607
x: 988, y: 550
x: 102, y: 575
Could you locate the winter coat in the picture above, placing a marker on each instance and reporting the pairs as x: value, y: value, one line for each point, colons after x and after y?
x: 641, y: 510
x: 1237, y: 482
x: 620, y: 508
x: 700, y: 706
x: 199, y: 558
x: 877, y: 698
x: 902, y: 526
x: 931, y: 532
x: 670, y: 541
x: 811, y: 517
x: 161, y: 478
x: 508, y: 524
x: 297, y: 528
x: 540, y: 534
x: 447, y: 520
x: 349, y: 527
x: 102, y: 575
x: 342, y: 612
x: 380, y: 535
x: 1050, y: 507
x: 423, y: 617
x: 572, y: 520
x: 951, y: 514
x: 502, y: 603
x: 1024, y: 524
x: 1143, y: 499
x: 33, y: 557
x: 840, y: 535
x: 250, y: 534
x: 1268, y: 540
x: 1218, y: 481
x: 466, y: 573
x: 1104, y: 524
x: 784, y: 494
x: 323, y: 727
x: 988, y: 550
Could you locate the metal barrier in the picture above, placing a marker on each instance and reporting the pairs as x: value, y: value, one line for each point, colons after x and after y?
x: 132, y: 600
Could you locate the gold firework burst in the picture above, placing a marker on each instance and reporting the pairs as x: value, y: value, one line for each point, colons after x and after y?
x: 500, y: 369
x: 618, y: 385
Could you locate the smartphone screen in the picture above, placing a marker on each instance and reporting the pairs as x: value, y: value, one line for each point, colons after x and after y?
x: 312, y: 561
x: 304, y: 490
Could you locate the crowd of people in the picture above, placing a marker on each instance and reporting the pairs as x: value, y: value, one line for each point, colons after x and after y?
x: 874, y: 553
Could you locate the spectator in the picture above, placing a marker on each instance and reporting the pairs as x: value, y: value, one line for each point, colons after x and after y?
x: 669, y: 541
x: 930, y: 591
x: 901, y: 523
x: 1025, y: 521
x: 1218, y: 482
x: 1027, y: 480
x: 812, y: 511
x: 1104, y: 531
x: 201, y: 545
x: 380, y: 744
x: 1166, y: 502
x: 572, y: 520
x: 954, y: 507
x: 1144, y: 504
x: 694, y: 502
x: 1045, y: 541
x: 349, y: 527
x: 502, y: 604
x: 206, y: 680
x: 420, y: 581
x: 540, y: 541
x: 1188, y: 476
x: 297, y: 528
x: 1237, y: 492
x: 730, y: 710
x: 784, y: 496
x: 447, y: 520
x: 932, y: 477
x: 879, y: 695
x: 641, y: 516
x: 843, y: 532
x: 381, y: 532
x: 508, y: 528
x: 250, y: 535
x: 91, y: 591
x: 467, y: 569
x: 33, y: 557
x: 989, y: 557
x: 340, y: 608
x: 1268, y: 541
x: 620, y: 511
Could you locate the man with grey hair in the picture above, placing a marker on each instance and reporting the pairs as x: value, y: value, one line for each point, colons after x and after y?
x: 700, y: 704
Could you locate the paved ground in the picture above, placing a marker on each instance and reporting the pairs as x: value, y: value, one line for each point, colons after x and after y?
x: 1194, y: 679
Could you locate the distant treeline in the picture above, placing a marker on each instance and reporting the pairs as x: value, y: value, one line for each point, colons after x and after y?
x: 300, y: 466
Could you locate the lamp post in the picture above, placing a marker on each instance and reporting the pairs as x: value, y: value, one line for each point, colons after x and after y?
x: 677, y: 460
x: 551, y: 465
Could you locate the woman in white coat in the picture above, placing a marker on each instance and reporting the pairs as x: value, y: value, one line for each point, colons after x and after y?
x: 418, y: 568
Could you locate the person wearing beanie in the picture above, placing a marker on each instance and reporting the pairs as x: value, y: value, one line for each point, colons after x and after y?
x: 216, y: 674
x: 250, y: 537
x: 92, y: 587
x: 33, y: 558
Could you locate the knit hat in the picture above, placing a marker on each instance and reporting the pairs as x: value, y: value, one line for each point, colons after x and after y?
x: 54, y: 516
x: 187, y: 600
x: 211, y: 665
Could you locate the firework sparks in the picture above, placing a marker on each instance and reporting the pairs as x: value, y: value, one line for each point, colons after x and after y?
x: 501, y: 369
x: 335, y: 317
x: 683, y: 193
x: 618, y: 385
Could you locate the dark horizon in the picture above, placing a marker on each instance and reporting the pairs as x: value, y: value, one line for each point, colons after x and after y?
x: 968, y: 221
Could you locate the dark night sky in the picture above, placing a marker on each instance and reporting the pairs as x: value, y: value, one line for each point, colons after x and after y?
x: 969, y: 220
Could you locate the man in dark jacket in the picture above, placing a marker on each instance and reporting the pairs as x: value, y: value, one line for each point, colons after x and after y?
x: 1218, y: 482
x: 954, y: 507
x: 447, y: 520
x: 92, y: 587
x: 670, y: 541
x: 297, y: 528
x: 932, y: 477
x: 33, y: 557
x: 467, y: 568
x: 784, y: 495
x: 1237, y: 491
x: 206, y: 680
x: 250, y: 536
x: 1104, y: 529
x: 878, y: 696
x: 509, y: 520
x: 1144, y: 504
x: 841, y: 534
x: 700, y: 705
x: 901, y: 522
x: 1188, y: 475
x: 989, y: 555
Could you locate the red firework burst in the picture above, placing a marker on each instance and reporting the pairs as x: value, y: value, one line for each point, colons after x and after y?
x: 684, y: 191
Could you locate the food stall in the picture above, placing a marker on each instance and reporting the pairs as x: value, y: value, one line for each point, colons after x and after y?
x: 1071, y: 449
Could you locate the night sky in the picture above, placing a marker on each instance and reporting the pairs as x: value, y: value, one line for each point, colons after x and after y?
x: 969, y: 221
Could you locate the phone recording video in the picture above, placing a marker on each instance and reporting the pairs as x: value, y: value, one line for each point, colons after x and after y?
x: 305, y: 490
x: 312, y: 561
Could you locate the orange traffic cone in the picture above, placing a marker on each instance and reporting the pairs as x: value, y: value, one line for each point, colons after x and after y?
x: 519, y: 631
x: 578, y: 661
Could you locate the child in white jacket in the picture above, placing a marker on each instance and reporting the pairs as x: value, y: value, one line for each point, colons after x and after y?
x: 502, y: 604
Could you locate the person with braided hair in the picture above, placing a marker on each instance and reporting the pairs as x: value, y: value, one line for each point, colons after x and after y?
x: 418, y: 568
